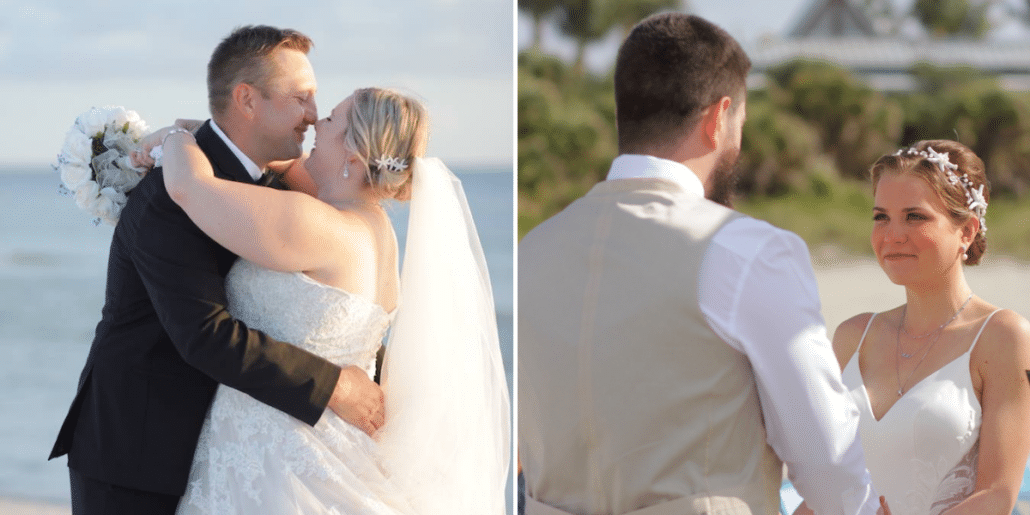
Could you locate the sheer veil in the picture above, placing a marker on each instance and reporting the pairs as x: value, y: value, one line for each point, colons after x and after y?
x: 446, y: 441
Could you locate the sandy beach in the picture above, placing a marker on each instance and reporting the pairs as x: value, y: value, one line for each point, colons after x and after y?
x: 20, y: 507
x: 849, y: 285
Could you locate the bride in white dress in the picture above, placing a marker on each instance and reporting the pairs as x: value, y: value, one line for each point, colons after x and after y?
x: 320, y: 270
x: 940, y: 382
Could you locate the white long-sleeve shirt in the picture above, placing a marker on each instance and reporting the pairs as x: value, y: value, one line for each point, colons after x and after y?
x: 758, y: 293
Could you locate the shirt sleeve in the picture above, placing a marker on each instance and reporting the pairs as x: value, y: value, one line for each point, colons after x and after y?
x: 758, y: 292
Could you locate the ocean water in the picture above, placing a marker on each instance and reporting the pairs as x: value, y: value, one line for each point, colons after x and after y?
x: 52, y: 272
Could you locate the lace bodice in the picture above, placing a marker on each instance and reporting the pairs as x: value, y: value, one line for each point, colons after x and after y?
x: 339, y: 326
x: 252, y: 458
x: 922, y: 453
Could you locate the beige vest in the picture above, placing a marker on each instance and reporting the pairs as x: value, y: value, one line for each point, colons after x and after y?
x: 627, y: 398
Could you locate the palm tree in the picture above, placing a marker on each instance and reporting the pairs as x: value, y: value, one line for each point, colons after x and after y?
x: 585, y: 21
x: 953, y: 18
x: 538, y: 10
x: 628, y: 13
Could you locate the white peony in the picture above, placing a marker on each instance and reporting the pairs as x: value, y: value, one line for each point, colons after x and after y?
x: 77, y: 148
x: 74, y: 175
x: 92, y: 122
x: 86, y: 195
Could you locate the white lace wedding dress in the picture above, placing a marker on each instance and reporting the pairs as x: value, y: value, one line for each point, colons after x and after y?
x: 252, y: 458
x: 922, y: 453
x: 446, y: 444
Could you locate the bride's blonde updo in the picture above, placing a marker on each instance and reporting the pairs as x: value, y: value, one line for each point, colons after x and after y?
x: 385, y: 124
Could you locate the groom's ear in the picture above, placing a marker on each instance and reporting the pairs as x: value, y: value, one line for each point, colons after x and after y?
x: 244, y: 98
x: 715, y: 121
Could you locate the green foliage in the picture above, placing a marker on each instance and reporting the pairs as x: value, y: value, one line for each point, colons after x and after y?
x: 810, y: 135
x: 970, y: 106
x: 839, y: 214
x: 566, y: 135
x: 808, y: 142
x: 856, y: 124
x: 953, y: 18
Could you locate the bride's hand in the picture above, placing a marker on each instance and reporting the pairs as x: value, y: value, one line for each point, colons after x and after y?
x: 141, y: 157
x: 358, y: 400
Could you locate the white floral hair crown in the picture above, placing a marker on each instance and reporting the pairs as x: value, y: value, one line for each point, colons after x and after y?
x: 392, y: 164
x: 974, y: 196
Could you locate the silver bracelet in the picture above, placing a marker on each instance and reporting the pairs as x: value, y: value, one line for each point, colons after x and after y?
x: 174, y: 131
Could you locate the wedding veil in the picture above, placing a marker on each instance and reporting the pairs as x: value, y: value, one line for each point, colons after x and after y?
x: 446, y: 440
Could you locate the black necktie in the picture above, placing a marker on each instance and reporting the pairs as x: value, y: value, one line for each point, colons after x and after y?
x: 266, y: 179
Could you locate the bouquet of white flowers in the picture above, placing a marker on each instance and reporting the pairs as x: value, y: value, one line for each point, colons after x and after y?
x: 95, y: 162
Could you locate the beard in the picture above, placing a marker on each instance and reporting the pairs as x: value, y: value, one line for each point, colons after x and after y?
x: 724, y: 178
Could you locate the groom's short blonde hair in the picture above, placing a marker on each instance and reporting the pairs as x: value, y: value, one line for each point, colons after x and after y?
x: 243, y: 57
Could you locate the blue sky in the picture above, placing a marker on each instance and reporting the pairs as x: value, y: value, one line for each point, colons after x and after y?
x: 58, y: 59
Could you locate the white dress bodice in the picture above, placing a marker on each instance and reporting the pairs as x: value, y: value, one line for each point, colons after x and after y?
x: 252, y: 458
x: 922, y: 453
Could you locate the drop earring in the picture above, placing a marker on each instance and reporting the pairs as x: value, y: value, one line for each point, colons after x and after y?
x: 346, y: 172
x: 965, y: 255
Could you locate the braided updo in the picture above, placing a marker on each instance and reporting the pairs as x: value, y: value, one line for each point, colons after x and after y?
x: 387, y: 125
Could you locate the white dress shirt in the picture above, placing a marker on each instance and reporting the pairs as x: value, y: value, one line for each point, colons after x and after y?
x: 251, y: 167
x: 758, y: 292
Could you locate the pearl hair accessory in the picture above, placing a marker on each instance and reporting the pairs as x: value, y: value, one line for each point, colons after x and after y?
x: 975, y: 201
x: 391, y: 163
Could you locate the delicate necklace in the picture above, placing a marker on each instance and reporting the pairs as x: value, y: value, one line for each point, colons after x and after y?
x: 897, y: 362
x: 936, y: 331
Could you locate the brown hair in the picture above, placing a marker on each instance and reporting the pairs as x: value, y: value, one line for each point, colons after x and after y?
x: 383, y: 124
x: 671, y: 67
x: 953, y: 196
x: 242, y: 58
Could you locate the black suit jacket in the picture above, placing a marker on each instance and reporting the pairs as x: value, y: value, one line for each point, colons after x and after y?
x: 164, y: 343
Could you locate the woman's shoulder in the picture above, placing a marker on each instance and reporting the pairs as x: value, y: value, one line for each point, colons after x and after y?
x: 848, y: 336
x: 1005, y: 333
x: 852, y: 329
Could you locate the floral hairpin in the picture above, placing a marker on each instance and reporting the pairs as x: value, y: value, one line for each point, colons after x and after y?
x: 975, y: 201
x: 392, y: 163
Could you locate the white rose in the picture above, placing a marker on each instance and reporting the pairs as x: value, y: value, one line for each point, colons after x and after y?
x: 86, y: 195
x: 137, y: 126
x: 92, y: 122
x: 74, y: 174
x: 117, y: 115
x: 78, y: 148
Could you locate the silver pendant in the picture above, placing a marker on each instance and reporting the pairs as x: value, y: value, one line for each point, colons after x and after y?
x: 899, y: 392
x: 906, y: 355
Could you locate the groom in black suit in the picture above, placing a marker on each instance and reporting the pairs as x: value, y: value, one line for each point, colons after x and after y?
x: 166, y: 341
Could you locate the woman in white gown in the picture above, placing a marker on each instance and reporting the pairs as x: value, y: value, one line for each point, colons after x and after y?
x: 941, y: 381
x: 319, y: 269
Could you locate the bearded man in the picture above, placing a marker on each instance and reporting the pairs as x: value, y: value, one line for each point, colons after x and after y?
x: 672, y: 354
